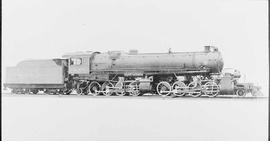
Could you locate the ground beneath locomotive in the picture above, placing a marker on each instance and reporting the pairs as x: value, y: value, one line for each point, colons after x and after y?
x: 53, y: 117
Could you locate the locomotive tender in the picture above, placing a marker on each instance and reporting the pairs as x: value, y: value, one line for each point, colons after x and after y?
x: 119, y: 73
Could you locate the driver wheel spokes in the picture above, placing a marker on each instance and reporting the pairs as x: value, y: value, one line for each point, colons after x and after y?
x: 164, y: 88
x: 179, y: 88
x: 107, y: 88
x: 211, y: 89
x: 94, y: 88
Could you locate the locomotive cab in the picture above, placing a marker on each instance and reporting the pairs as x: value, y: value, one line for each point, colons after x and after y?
x: 79, y: 62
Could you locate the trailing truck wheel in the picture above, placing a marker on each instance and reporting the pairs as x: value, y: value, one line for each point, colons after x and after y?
x: 179, y: 88
x: 195, y: 89
x: 241, y: 92
x: 164, y: 88
x: 79, y: 91
x: 211, y: 89
x: 93, y: 88
x: 78, y: 88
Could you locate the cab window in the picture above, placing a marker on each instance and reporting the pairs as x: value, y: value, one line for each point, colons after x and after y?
x: 75, y: 61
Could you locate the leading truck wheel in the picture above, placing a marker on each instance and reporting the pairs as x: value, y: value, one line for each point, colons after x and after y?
x: 164, y: 88
x: 241, y: 92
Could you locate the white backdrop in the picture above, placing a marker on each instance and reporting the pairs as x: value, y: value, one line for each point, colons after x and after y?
x: 49, y: 28
x: 41, y: 29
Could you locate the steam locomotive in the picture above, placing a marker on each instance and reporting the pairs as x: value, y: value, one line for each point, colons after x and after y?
x: 118, y: 73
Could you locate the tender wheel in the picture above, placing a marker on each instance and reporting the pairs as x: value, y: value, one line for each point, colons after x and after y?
x: 45, y: 91
x: 23, y: 91
x: 164, y: 88
x: 54, y: 92
x: 27, y: 91
x: 50, y: 91
x: 14, y: 91
x: 93, y: 88
x: 211, y: 89
x: 195, y: 89
x: 134, y: 89
x: 34, y: 91
x: 241, y: 92
x: 179, y: 88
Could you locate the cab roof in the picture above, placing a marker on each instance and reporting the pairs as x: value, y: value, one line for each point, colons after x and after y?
x: 79, y: 54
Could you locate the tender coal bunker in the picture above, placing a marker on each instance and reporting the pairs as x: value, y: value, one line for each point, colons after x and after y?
x: 58, y: 61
